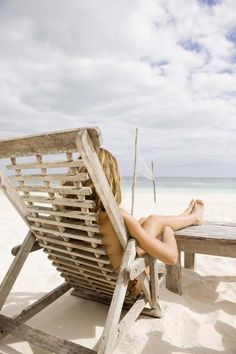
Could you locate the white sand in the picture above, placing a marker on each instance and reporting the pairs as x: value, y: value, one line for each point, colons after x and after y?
x: 202, y: 320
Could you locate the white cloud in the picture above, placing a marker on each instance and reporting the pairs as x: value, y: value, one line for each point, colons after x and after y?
x: 166, y: 67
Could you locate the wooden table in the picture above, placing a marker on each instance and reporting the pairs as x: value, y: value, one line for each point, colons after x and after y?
x: 212, y: 238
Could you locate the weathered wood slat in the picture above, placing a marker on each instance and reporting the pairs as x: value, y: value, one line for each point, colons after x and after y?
x: 40, y: 305
x: 48, y: 143
x: 75, y: 214
x: 91, y: 296
x: 109, y: 334
x: 82, y: 269
x: 145, y: 286
x: 129, y: 319
x: 154, y: 286
x: 60, y: 201
x: 16, y: 267
x: 135, y: 268
x: 55, y: 164
x: 207, y: 231
x: 222, y: 223
x: 74, y: 245
x: 189, y: 260
x: 16, y: 249
x: 51, y: 177
x: 75, y: 235
x: 95, y: 289
x: 71, y: 224
x: 226, y: 248
x: 67, y: 275
x: 79, y: 281
x: 75, y: 253
x: 85, y: 275
x: 55, y: 256
x: 71, y: 273
x: 127, y: 305
x: 11, y: 194
x: 174, y: 277
x: 41, y: 339
x: 92, y: 288
x: 61, y: 190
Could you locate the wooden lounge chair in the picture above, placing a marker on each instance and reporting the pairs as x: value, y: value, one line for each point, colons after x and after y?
x: 67, y: 231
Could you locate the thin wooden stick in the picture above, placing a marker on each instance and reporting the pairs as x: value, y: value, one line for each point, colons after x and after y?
x: 135, y: 170
x: 154, y: 183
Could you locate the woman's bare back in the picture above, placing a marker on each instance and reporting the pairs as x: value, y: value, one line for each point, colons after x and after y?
x: 110, y: 240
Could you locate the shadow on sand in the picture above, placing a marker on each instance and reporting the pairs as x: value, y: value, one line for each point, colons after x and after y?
x: 58, y: 318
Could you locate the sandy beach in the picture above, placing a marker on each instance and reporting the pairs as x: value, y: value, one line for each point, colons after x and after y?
x: 202, y: 320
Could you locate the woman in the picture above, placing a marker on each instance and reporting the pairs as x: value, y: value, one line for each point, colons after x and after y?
x: 154, y: 234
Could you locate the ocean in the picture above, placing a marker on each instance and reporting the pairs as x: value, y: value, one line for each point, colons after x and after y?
x: 181, y: 185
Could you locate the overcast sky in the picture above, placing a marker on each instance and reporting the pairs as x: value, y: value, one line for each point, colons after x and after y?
x: 167, y: 67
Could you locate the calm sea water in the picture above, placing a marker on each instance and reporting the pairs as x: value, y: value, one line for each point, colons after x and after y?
x: 182, y: 184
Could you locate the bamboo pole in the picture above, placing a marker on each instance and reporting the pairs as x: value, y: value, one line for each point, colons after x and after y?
x: 154, y: 183
x: 135, y: 170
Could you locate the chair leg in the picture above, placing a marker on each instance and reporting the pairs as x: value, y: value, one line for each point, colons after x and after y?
x: 110, y: 332
x: 154, y: 284
x: 15, y: 268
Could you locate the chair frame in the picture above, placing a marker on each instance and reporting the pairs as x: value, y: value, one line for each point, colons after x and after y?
x: 84, y: 139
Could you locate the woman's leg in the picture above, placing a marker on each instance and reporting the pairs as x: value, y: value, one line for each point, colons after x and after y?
x: 154, y: 223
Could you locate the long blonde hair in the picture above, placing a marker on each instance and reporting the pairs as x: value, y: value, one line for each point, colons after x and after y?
x: 112, y: 173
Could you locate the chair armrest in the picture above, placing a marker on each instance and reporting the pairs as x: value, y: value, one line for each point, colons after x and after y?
x: 138, y: 266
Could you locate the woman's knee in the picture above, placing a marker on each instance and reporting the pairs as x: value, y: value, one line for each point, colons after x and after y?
x: 155, y: 220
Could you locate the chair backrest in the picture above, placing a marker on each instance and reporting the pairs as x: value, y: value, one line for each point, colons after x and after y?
x: 52, y: 196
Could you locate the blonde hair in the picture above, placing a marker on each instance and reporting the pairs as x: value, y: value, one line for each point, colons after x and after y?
x: 112, y: 173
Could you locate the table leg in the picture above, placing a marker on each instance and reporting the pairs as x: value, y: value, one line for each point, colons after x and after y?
x: 189, y: 260
x: 174, y: 277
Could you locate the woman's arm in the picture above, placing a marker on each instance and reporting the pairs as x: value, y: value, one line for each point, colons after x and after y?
x: 165, y: 250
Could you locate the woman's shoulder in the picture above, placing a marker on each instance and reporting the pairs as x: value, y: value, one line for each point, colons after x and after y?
x: 102, y: 217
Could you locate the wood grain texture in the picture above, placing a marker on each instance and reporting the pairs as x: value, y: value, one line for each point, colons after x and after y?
x: 226, y: 248
x: 75, y: 253
x: 154, y: 286
x: 16, y: 267
x: 59, y: 190
x: 48, y: 143
x: 220, y: 232
x: 41, y: 339
x: 189, y: 260
x: 174, y: 277
x: 39, y: 305
x: 109, y: 334
x: 16, y: 249
x: 33, y: 165
x: 129, y: 318
x: 74, y: 214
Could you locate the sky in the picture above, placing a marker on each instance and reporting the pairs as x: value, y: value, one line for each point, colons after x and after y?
x: 166, y: 67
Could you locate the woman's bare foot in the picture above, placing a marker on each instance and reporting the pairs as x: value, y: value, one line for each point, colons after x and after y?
x: 189, y: 209
x: 198, y: 211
